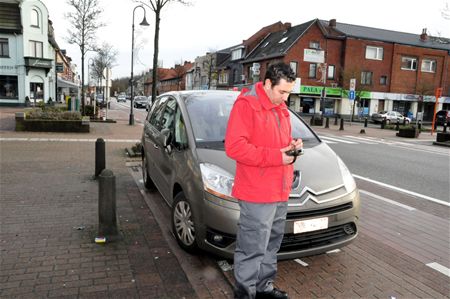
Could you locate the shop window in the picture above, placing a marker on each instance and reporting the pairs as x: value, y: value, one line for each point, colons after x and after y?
x: 312, y: 70
x: 330, y: 72
x: 409, y: 63
x: 8, y: 87
x: 294, y: 65
x: 34, y: 18
x: 366, y: 78
x: 375, y: 53
x: 383, y: 80
x: 36, y: 49
x: 4, y: 47
x: 428, y: 66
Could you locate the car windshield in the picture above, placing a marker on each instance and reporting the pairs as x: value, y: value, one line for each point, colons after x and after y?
x: 209, y: 112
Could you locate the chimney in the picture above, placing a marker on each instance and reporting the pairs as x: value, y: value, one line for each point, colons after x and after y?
x: 424, y: 35
x: 332, y: 23
x: 287, y: 25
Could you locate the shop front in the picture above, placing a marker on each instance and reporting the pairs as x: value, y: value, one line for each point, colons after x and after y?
x: 319, y: 100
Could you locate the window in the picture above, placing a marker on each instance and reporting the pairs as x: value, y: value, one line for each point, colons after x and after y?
x: 428, y: 65
x: 236, y: 54
x: 409, y: 63
x: 283, y: 40
x: 293, y: 65
x: 236, y: 76
x: 366, y: 78
x: 314, y: 45
x: 330, y: 72
x: 156, y: 112
x: 4, y: 47
x: 8, y: 87
x: 223, y: 77
x: 312, y: 70
x: 34, y: 18
x: 374, y: 53
x: 383, y: 80
x: 36, y: 49
x: 181, y: 139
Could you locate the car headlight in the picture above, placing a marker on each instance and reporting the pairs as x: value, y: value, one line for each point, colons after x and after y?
x: 349, y: 181
x: 216, y: 180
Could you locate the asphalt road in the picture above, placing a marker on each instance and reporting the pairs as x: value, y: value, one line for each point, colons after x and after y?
x: 418, y: 168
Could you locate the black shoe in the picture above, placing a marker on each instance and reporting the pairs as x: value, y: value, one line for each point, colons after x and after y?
x: 274, y: 294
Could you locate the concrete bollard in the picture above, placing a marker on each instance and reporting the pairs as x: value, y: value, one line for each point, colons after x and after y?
x: 327, y: 123
x: 419, y: 125
x: 365, y: 122
x: 445, y: 127
x: 100, y: 159
x: 311, y: 121
x: 404, y: 121
x: 107, y: 221
x: 341, y: 128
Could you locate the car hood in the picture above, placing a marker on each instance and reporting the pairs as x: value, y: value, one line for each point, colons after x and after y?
x: 319, y: 167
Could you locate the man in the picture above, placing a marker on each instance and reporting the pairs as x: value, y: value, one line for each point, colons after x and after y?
x: 258, y: 137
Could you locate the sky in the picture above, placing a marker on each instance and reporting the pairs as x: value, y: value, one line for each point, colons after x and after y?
x: 207, y: 25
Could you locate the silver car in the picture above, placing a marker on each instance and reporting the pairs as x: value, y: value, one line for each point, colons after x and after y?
x: 184, y: 158
x: 390, y: 117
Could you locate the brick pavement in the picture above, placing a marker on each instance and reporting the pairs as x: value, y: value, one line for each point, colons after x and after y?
x: 49, y: 218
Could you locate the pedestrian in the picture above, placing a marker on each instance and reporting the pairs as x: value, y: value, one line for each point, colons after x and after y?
x: 259, y: 138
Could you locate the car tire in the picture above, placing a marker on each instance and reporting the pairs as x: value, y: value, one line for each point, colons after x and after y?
x: 407, y: 122
x: 148, y: 182
x: 183, y: 225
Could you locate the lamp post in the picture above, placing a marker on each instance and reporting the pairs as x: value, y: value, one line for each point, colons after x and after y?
x: 89, y: 78
x: 143, y: 23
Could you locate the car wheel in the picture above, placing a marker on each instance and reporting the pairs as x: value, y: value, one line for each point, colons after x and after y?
x: 183, y: 225
x: 407, y: 122
x: 148, y: 183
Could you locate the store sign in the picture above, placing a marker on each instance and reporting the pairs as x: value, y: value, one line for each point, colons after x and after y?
x: 311, y: 55
x: 38, y: 62
x: 311, y: 89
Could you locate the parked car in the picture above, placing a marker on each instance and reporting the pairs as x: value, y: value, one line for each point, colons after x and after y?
x: 183, y: 156
x: 100, y: 101
x: 149, y: 103
x: 390, y: 117
x: 442, y: 117
x: 140, y: 102
x: 121, y: 98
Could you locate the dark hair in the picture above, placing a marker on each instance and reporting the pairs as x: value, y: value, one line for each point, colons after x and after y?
x: 278, y: 71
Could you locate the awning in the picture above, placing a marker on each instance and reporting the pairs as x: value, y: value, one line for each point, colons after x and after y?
x: 66, y: 84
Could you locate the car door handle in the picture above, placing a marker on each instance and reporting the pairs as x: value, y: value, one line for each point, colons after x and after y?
x: 155, y: 146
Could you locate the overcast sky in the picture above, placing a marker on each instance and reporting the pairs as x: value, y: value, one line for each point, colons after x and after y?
x: 191, y: 31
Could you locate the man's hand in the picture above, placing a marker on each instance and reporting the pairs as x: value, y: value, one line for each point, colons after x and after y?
x: 287, y: 159
x: 297, y: 143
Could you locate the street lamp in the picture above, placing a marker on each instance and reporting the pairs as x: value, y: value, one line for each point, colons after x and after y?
x: 89, y: 78
x: 143, y: 23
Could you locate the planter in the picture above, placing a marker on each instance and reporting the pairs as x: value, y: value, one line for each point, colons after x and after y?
x: 44, y: 125
x: 408, y: 133
x: 443, y: 137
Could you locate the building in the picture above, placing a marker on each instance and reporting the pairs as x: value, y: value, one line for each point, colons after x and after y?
x: 171, y: 79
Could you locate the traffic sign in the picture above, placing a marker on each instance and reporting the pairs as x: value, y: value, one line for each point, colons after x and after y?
x: 351, y: 95
x: 352, y: 84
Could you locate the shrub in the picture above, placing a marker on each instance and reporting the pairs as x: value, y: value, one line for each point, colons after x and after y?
x: 89, y: 111
x: 52, y: 113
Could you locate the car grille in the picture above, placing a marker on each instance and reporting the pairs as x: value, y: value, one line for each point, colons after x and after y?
x: 320, y: 212
x: 295, y: 242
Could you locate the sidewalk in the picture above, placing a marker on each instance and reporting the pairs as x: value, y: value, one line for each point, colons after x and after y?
x: 49, y: 219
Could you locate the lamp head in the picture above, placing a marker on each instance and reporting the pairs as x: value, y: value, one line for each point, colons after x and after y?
x: 144, y: 22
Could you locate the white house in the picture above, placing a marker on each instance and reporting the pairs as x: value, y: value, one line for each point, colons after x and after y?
x: 27, y: 53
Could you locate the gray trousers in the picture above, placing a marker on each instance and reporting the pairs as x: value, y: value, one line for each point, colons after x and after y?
x: 260, y: 232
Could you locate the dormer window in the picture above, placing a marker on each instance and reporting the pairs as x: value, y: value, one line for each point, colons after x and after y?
x: 283, y: 40
x: 34, y: 18
x: 236, y: 54
x: 265, y: 45
x: 314, y: 45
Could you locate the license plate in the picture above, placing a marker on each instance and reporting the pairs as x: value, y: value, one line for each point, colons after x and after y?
x: 303, y: 226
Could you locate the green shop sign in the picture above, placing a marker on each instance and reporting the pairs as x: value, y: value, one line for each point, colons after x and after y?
x: 332, y: 91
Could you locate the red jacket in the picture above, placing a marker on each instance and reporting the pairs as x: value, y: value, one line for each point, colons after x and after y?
x: 257, y: 130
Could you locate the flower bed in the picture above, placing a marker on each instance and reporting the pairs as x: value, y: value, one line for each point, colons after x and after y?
x: 51, y: 120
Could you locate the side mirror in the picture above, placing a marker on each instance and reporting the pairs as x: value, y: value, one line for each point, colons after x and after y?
x: 164, y: 138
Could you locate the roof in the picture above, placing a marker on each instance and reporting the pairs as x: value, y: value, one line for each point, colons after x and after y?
x: 391, y: 36
x: 278, y: 43
x: 10, y: 20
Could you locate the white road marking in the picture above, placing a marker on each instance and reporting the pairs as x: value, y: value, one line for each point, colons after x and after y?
x: 361, y: 139
x: 387, y: 200
x: 403, y: 190
x: 301, y: 262
x: 328, y: 142
x: 338, y: 140
x: 438, y: 267
x: 67, y: 140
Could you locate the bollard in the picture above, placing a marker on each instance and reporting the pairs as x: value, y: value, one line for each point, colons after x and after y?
x: 383, y: 123
x: 397, y: 125
x: 404, y: 121
x: 341, y: 128
x: 327, y: 123
x: 335, y: 120
x: 419, y: 125
x: 311, y: 121
x: 100, y: 161
x: 107, y: 221
x: 445, y: 127
x: 365, y: 122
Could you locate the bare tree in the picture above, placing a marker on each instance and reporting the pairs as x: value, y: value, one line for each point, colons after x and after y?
x: 156, y: 6
x: 84, y: 22
x: 105, y: 58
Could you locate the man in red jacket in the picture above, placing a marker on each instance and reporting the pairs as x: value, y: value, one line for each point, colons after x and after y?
x: 259, y: 138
